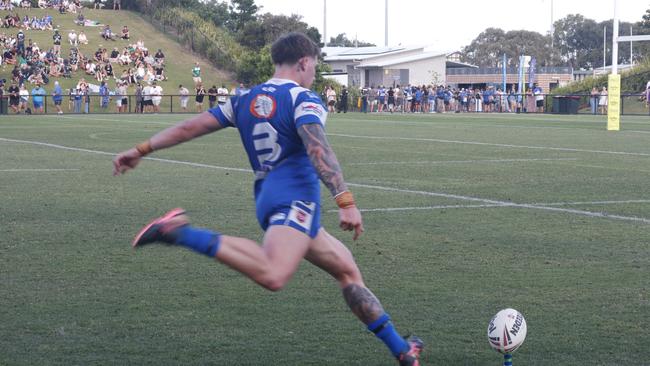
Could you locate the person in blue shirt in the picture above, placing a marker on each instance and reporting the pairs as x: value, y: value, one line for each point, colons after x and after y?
x: 281, y: 124
x: 104, y: 94
x: 38, y: 98
x: 57, y: 97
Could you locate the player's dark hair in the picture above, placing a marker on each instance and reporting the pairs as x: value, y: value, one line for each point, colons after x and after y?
x: 291, y: 47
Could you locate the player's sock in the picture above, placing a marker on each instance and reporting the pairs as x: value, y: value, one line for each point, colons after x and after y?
x: 384, y: 330
x: 200, y: 240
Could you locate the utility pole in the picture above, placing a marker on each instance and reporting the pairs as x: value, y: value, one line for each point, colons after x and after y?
x: 324, y: 23
x: 386, y: 25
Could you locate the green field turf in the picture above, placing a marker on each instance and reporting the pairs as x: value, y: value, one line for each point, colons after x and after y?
x: 466, y: 215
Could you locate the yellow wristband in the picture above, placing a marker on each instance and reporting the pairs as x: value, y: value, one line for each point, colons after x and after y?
x: 345, y: 199
x: 144, y: 148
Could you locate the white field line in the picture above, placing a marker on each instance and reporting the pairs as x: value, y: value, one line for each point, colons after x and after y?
x: 442, y: 207
x: 568, y: 149
x: 505, y: 203
x: 481, y: 201
x: 199, y: 165
x: 461, y: 161
x: 38, y: 170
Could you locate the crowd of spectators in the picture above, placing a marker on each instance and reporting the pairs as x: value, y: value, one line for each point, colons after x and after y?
x: 32, y: 65
x: 444, y: 99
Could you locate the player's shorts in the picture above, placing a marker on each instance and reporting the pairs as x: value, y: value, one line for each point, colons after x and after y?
x: 57, y: 101
x: 540, y: 103
x: 38, y: 105
x: 300, y: 215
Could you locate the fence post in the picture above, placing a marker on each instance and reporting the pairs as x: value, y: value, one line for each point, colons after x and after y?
x: 45, y: 104
x: 171, y: 104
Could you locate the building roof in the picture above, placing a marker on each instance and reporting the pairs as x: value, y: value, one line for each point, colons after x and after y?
x: 361, y: 53
x: 383, y: 62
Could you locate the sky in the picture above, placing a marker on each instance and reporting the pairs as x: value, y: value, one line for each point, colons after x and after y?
x: 441, y: 24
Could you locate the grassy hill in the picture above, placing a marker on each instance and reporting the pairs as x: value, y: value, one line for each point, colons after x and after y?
x: 178, y: 60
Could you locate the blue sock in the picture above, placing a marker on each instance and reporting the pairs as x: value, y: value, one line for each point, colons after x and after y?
x: 200, y: 240
x: 384, y: 330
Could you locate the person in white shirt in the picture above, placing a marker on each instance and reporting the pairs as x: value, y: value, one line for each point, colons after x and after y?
x: 91, y: 68
x: 156, y: 96
x: 82, y: 38
x: 146, y: 98
x: 73, y: 39
x: 222, y: 95
x: 185, y: 96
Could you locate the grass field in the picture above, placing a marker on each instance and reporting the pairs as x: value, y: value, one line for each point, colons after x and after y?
x: 465, y: 215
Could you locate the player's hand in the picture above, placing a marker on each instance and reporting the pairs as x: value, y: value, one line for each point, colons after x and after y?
x: 350, y: 219
x: 125, y: 161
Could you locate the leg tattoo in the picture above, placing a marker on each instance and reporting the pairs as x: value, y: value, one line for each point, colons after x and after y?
x: 363, y: 303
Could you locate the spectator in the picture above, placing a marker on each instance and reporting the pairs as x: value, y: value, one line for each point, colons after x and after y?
x: 156, y: 96
x: 147, y: 104
x: 117, y: 4
x: 77, y: 100
x: 343, y: 103
x: 539, y: 98
x: 98, y: 4
x: 57, y: 97
x: 200, y: 94
x: 184, y: 97
x: 593, y: 100
x: 602, y: 102
x: 196, y: 75
x: 125, y: 33
x: 330, y: 94
x: 14, y: 97
x: 56, y: 38
x: 241, y: 89
x: 82, y: 38
x: 138, y: 98
x: 24, y: 99
x: 212, y: 96
x: 73, y: 38
x: 104, y: 94
x: 159, y: 57
x: 222, y: 95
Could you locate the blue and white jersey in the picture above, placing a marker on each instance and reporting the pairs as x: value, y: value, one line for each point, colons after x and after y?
x: 268, y: 117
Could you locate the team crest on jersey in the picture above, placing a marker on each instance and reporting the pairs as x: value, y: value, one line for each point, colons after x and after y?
x: 263, y: 106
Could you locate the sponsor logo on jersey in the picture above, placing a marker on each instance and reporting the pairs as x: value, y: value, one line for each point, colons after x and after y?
x: 312, y: 108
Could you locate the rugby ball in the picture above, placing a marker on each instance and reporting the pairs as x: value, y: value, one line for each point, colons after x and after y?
x: 507, y: 331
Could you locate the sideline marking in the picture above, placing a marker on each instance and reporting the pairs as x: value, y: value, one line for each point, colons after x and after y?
x: 462, y: 161
x: 39, y: 170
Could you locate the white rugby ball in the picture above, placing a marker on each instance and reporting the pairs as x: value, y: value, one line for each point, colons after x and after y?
x: 507, y: 331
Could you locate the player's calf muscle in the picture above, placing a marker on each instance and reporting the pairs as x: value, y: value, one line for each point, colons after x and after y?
x: 363, y: 303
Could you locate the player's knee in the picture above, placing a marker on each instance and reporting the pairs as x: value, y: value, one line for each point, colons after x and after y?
x: 273, y: 283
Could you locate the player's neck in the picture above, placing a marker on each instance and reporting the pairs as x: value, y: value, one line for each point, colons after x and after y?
x: 288, y: 73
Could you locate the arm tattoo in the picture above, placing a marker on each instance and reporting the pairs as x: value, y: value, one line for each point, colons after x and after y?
x: 363, y: 303
x: 322, y: 157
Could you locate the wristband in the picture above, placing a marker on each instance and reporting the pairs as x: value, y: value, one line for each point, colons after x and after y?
x: 344, y: 199
x: 144, y: 148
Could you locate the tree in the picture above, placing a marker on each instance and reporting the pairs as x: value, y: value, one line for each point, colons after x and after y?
x: 268, y: 27
x: 342, y: 41
x: 241, y: 12
x: 488, y: 48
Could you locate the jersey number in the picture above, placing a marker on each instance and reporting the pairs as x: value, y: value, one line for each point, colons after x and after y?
x: 265, y: 139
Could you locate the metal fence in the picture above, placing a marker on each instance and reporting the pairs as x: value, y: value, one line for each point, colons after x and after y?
x: 631, y: 104
x: 97, y: 104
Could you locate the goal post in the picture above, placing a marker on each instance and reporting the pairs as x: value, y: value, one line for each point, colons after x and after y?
x: 614, y: 79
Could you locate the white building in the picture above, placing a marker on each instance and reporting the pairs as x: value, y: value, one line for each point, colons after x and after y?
x: 373, y: 66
